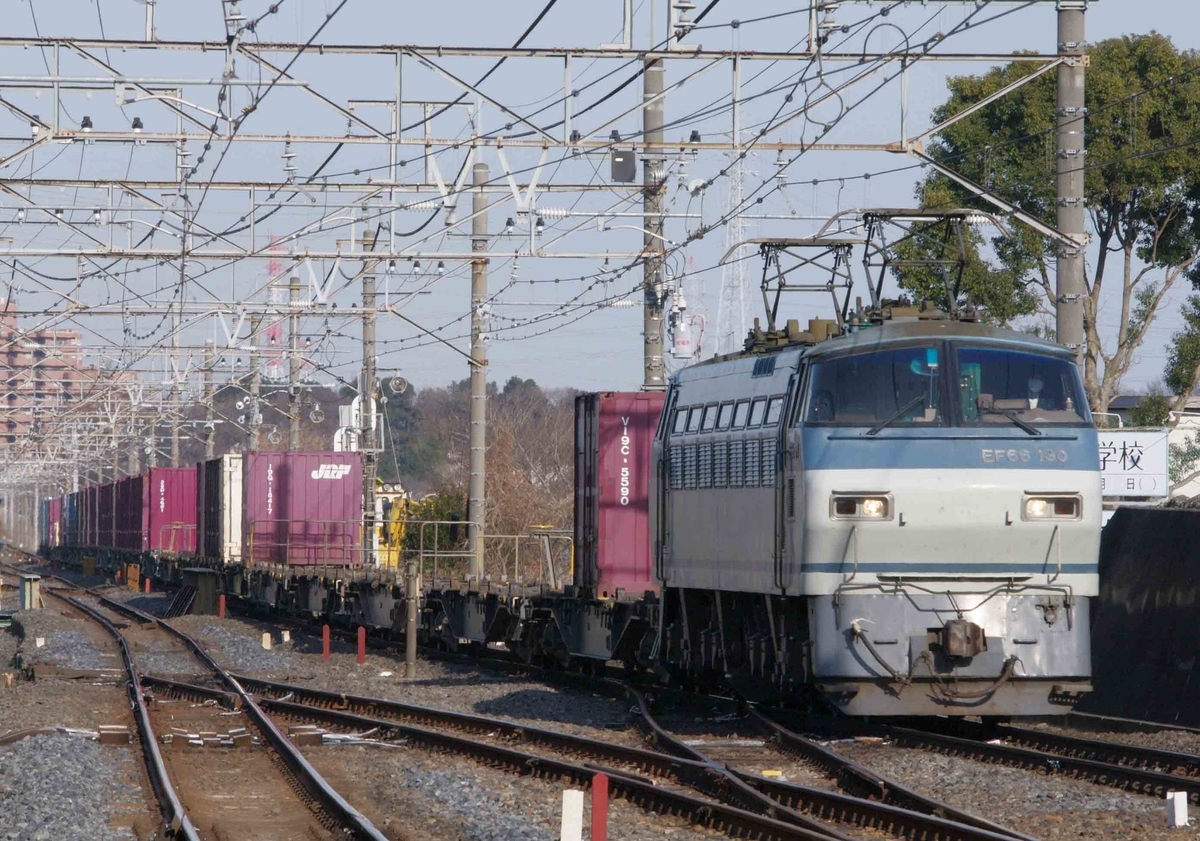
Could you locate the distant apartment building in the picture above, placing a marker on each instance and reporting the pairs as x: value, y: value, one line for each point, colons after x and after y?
x: 43, y: 371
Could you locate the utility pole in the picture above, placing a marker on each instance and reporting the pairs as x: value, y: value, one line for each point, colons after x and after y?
x: 479, y: 290
x: 294, y: 364
x: 1069, y: 183
x: 255, y: 383
x: 366, y: 399
x: 210, y: 419
x: 653, y: 189
x: 152, y: 455
x: 176, y: 366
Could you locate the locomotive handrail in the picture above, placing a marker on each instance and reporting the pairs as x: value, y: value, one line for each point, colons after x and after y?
x: 1055, y: 539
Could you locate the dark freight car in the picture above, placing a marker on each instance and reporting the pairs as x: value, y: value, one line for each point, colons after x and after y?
x: 128, y: 517
x: 614, y: 437
x: 303, y: 508
x: 106, y: 506
x: 219, y: 507
x: 71, y: 532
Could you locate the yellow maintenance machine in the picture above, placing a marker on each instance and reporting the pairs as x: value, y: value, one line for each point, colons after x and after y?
x: 391, y: 509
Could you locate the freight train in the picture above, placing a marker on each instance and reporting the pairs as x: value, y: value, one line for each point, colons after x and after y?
x: 900, y: 520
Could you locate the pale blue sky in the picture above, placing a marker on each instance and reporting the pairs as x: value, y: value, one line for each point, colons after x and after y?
x: 603, y: 350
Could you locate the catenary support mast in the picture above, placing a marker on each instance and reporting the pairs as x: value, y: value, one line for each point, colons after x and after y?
x: 479, y: 292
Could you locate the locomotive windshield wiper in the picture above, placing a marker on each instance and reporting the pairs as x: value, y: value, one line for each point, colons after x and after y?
x: 1008, y: 413
x: 901, y: 412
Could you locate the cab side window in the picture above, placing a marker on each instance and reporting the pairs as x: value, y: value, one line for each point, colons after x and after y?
x: 774, y: 410
x: 740, y: 413
x: 680, y: 421
x: 725, y: 417
x: 757, y: 410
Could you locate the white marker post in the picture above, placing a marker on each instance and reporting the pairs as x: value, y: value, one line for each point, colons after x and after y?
x: 1177, y: 809
x: 572, y: 816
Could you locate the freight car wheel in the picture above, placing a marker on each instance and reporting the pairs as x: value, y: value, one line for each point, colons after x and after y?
x: 526, y: 647
x: 443, y: 635
x: 554, y: 648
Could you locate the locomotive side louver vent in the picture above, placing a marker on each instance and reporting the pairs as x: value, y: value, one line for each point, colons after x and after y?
x: 764, y: 367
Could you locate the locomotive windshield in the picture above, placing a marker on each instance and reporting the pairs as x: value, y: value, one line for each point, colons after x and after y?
x: 997, y: 384
x: 901, y: 386
x: 911, y: 386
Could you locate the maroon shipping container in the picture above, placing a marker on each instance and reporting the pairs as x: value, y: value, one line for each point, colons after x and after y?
x: 128, y: 519
x: 614, y: 439
x: 106, y: 500
x: 168, y: 506
x: 55, y: 522
x: 302, y: 508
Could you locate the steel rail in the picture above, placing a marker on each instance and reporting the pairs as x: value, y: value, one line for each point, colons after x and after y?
x: 633, y: 787
x: 328, y: 797
x: 1153, y: 783
x: 860, y: 780
x: 1132, y: 725
x: 689, y: 771
x: 1114, y: 753
x: 179, y: 824
x: 832, y: 805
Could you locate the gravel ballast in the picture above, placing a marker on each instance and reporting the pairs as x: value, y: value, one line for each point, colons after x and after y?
x: 410, y: 794
x: 68, y: 641
x: 60, y: 787
x: 237, y: 645
x: 1045, y: 806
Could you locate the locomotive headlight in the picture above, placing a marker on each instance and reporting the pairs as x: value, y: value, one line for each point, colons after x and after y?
x: 874, y: 507
x: 1052, y: 507
x: 853, y: 506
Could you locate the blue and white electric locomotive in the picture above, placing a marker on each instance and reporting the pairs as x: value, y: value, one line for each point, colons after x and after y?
x: 905, y: 519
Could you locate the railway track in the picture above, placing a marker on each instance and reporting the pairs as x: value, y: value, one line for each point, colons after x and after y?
x: 174, y: 816
x: 722, y: 786
x: 731, y: 799
x: 1149, y: 771
x: 195, y: 769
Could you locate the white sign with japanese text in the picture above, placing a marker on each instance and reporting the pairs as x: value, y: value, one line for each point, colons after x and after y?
x: 1134, y: 463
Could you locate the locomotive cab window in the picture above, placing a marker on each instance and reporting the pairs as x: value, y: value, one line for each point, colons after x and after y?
x: 680, y: 422
x: 740, y: 413
x: 710, y: 419
x: 774, y: 411
x: 888, y: 387
x: 694, y: 419
x: 725, y: 417
x: 1004, y: 385
x: 758, y: 409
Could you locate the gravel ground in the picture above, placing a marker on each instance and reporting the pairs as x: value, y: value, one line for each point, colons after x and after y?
x: 237, y: 644
x: 1166, y: 739
x: 60, y: 787
x: 417, y: 795
x: 71, y: 640
x: 1047, y: 807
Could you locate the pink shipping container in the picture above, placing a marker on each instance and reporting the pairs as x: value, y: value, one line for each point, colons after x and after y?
x: 168, y: 505
x: 302, y: 508
x: 614, y: 438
